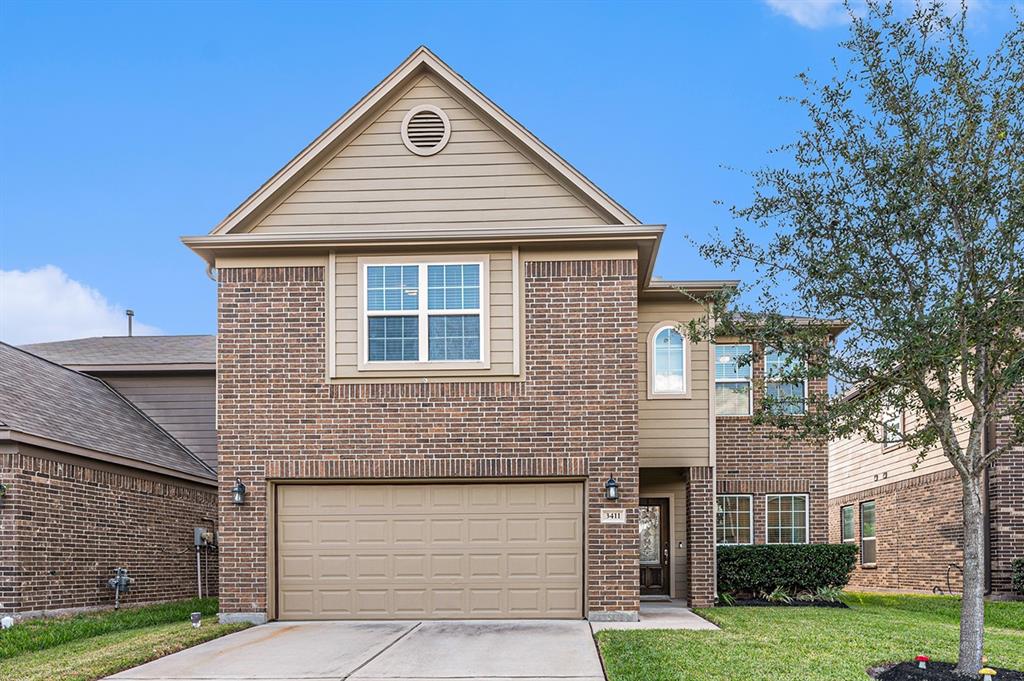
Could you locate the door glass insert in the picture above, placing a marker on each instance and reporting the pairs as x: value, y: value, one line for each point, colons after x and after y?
x: 650, y: 534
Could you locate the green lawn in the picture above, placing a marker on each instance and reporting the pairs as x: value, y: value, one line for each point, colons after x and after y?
x: 810, y: 643
x: 92, y: 646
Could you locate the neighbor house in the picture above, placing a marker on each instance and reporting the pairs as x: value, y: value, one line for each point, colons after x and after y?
x: 904, y: 508
x: 452, y: 388
x: 89, y: 484
x: 170, y: 378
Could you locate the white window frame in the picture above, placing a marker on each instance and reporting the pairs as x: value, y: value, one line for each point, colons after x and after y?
x: 652, y: 365
x: 807, y: 517
x: 750, y: 516
x: 842, y: 523
x: 748, y: 381
x: 874, y: 537
x: 889, y: 440
x: 423, y: 314
x: 768, y: 380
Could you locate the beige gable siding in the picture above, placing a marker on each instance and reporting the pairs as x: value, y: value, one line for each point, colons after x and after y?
x: 502, y: 291
x: 184, y: 406
x: 674, y: 432
x: 855, y: 464
x: 479, y: 178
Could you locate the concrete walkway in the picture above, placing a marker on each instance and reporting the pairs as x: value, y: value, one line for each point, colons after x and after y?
x: 661, y: 615
x: 503, y: 650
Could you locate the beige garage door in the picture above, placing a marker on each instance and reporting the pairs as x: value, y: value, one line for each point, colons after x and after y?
x: 436, y: 551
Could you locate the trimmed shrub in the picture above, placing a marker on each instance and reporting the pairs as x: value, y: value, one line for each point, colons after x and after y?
x: 1018, y: 576
x: 792, y: 567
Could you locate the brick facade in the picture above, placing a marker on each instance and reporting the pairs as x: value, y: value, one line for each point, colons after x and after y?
x: 574, y: 415
x: 65, y: 524
x: 1006, y: 505
x: 918, y: 533
x: 752, y: 459
x: 700, y: 537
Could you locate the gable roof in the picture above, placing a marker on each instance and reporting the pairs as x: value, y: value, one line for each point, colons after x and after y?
x: 156, y: 353
x: 421, y: 61
x: 52, y: 406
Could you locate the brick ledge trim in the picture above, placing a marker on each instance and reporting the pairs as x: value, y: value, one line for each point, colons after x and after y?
x: 452, y: 389
x: 773, y: 486
x: 362, y: 469
x: 920, y: 481
x: 251, y: 275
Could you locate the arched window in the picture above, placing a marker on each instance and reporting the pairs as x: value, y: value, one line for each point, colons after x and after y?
x: 668, y: 361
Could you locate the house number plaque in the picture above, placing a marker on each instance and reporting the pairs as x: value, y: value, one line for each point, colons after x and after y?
x: 613, y: 516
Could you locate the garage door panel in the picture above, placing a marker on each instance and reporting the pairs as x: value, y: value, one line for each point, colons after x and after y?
x: 430, y: 551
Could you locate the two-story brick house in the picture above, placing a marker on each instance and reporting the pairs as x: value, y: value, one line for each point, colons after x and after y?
x: 452, y: 387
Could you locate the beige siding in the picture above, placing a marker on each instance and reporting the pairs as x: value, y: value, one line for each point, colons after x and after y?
x: 502, y: 291
x: 674, y: 432
x: 184, y: 406
x: 478, y: 178
x: 854, y: 464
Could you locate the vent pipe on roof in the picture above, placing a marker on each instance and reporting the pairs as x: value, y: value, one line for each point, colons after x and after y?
x: 129, y: 314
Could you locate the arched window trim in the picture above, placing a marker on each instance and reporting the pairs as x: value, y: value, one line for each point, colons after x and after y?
x: 651, y: 336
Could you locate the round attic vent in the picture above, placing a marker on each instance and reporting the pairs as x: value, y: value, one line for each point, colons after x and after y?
x: 425, y: 130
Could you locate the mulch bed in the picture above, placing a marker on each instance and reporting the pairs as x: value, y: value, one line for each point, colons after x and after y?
x: 936, y: 671
x: 762, y: 603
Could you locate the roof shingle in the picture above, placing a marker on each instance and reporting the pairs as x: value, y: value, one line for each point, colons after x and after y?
x: 129, y: 350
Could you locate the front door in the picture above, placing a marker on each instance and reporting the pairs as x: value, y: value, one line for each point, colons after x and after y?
x: 654, y: 548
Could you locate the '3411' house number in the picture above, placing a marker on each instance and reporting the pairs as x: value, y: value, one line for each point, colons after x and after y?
x: 615, y: 516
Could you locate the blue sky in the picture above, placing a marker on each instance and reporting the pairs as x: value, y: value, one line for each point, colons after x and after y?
x: 124, y: 126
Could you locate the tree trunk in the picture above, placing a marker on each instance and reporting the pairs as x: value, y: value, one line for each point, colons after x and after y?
x: 972, y: 608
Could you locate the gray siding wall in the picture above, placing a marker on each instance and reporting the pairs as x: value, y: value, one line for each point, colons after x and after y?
x: 183, y: 405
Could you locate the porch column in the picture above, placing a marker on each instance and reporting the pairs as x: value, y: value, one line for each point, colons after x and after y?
x: 700, y: 535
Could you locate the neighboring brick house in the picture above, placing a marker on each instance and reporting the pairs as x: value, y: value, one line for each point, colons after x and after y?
x: 91, y: 484
x: 452, y: 387
x: 908, y: 519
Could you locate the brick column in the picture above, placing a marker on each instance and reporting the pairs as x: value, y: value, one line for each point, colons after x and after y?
x: 700, y: 537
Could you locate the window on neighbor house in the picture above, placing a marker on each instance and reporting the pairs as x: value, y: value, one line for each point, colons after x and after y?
x: 786, y: 518
x: 732, y: 380
x: 867, y: 533
x: 668, y: 353
x: 791, y: 395
x: 848, y: 523
x: 735, y: 521
x: 428, y: 312
x: 893, y: 427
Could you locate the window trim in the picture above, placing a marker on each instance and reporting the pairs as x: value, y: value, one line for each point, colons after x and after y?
x: 888, y: 444
x: 767, y: 380
x: 651, y: 364
x: 422, y: 313
x: 873, y: 537
x: 750, y: 515
x: 842, y: 524
x: 807, y: 518
x: 748, y: 381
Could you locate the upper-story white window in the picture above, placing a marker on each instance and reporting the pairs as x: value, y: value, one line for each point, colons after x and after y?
x: 791, y: 395
x: 667, y: 361
x: 424, y: 313
x: 733, y: 395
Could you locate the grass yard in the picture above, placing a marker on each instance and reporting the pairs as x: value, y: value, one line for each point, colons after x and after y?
x: 826, y: 644
x: 92, y: 646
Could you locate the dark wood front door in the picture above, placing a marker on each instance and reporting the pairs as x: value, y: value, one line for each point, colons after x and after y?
x: 654, y: 547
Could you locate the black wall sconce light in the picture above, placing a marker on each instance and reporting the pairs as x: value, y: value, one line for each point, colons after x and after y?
x: 3, y: 492
x: 611, y: 489
x: 238, y: 493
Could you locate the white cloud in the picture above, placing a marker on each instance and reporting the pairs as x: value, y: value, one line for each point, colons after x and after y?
x: 811, y: 13
x: 44, y: 304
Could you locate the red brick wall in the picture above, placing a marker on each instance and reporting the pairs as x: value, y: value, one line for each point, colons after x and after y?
x: 918, y: 533
x: 757, y: 460
x: 575, y: 414
x: 1006, y: 505
x: 67, y: 526
x: 700, y: 537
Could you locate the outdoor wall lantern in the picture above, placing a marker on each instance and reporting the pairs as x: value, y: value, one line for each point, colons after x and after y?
x: 611, y: 489
x: 238, y: 493
x: 3, y: 492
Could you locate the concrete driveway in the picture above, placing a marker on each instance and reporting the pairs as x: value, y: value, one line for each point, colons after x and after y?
x: 504, y: 650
